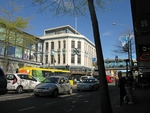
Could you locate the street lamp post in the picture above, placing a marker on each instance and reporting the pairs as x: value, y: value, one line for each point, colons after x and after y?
x: 129, y: 46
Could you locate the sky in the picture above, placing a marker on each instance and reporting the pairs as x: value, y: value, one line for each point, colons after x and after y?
x: 116, y: 12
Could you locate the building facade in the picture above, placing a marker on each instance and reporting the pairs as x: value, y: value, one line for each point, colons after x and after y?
x: 16, y: 50
x: 65, y: 48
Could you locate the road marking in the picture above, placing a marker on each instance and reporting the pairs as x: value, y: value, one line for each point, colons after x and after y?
x: 26, y: 108
x: 12, y: 97
x: 51, y: 102
x: 67, y: 95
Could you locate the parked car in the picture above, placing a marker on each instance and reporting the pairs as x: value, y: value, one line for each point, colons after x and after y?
x: 3, y: 82
x: 83, y: 77
x: 53, y: 86
x: 108, y: 78
x: 20, y: 82
x: 88, y: 84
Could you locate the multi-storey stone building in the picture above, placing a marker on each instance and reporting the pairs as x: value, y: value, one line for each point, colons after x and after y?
x: 66, y: 48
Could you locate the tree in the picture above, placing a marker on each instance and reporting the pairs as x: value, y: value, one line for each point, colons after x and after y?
x: 122, y: 43
x: 76, y: 7
x: 11, y: 27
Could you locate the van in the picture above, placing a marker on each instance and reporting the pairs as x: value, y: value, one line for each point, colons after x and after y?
x: 3, y: 82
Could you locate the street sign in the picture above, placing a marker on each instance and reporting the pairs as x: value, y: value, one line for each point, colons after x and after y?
x: 144, y: 48
x: 145, y: 57
x: 142, y: 24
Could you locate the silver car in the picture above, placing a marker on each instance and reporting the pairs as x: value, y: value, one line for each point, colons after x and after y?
x: 53, y: 86
x: 88, y: 84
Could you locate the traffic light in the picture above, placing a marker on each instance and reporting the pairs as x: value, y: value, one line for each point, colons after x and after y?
x: 141, y: 24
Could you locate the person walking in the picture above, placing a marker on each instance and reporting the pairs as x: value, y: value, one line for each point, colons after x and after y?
x: 122, y: 87
x: 129, y: 87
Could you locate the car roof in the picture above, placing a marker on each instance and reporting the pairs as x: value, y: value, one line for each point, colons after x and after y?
x: 58, y: 77
x: 90, y: 78
x: 17, y: 73
x: 87, y: 76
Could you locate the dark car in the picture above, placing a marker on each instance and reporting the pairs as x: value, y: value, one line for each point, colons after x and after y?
x: 3, y: 82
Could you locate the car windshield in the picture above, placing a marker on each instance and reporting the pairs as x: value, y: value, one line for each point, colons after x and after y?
x: 88, y: 81
x: 51, y: 80
x: 83, y: 77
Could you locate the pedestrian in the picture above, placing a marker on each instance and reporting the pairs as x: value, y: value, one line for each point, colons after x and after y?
x: 129, y: 87
x: 122, y: 87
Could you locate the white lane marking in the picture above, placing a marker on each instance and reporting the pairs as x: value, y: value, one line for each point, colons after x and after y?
x: 51, y: 102
x: 12, y: 97
x: 67, y: 95
x: 26, y: 108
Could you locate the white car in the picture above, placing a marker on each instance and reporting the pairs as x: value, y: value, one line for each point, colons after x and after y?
x: 88, y: 84
x: 53, y: 86
x: 20, y: 82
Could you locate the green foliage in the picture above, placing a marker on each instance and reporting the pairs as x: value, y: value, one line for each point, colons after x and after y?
x: 11, y: 31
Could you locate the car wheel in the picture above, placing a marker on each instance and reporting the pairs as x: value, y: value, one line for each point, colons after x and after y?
x: 97, y: 88
x: 70, y: 91
x: 94, y: 88
x: 19, y: 89
x: 55, y: 93
x: 36, y: 95
x: 78, y: 90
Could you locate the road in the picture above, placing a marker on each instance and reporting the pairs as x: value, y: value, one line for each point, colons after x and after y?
x: 78, y: 102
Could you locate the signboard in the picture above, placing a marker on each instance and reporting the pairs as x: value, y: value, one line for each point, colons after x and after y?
x: 144, y: 48
x: 144, y: 52
x: 141, y: 24
x: 145, y: 56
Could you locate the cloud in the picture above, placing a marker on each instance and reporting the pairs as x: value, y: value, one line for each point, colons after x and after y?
x: 107, y: 33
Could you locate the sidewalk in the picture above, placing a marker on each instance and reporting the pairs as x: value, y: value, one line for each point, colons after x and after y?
x: 141, y: 101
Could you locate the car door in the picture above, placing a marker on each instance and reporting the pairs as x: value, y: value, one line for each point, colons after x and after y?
x: 62, y: 85
x: 32, y: 82
x: 24, y: 81
x: 67, y: 84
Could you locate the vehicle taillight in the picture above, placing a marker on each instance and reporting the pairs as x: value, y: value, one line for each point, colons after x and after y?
x: 14, y: 81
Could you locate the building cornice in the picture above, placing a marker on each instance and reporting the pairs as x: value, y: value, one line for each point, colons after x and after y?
x: 66, y: 35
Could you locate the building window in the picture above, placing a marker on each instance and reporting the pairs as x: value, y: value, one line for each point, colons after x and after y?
x: 79, y: 44
x: 52, y: 59
x: 52, y: 45
x: 64, y: 58
x: 72, y: 44
x: 79, y: 59
x: 72, y: 58
x: 64, y: 44
x: 46, y: 46
x: 58, y: 59
x: 59, y: 45
x: 46, y: 59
